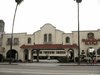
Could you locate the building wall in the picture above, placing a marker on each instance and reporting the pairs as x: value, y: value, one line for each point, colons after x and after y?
x: 2, y: 24
x: 83, y: 35
x: 22, y: 40
x: 58, y: 37
x: 48, y: 29
x: 67, y: 35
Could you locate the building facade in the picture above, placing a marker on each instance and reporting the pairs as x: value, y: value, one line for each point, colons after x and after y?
x: 1, y: 38
x: 49, y: 42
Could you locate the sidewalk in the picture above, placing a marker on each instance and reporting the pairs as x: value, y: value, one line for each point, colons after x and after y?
x: 50, y: 62
x: 7, y: 63
x: 76, y: 64
x: 57, y: 64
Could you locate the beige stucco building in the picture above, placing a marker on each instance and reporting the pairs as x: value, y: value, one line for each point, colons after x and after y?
x: 49, y: 42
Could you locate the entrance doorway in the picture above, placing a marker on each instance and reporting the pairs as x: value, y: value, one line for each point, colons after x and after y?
x: 71, y: 55
x: 26, y: 54
x: 1, y: 57
x: 91, y: 55
x: 90, y: 52
x: 13, y: 54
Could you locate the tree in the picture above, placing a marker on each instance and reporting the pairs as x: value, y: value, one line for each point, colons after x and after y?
x: 18, y: 2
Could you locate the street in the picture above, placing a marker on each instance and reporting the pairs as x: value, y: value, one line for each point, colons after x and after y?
x: 47, y: 69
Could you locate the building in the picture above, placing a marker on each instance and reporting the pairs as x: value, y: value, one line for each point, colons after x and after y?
x: 49, y: 42
x: 1, y: 38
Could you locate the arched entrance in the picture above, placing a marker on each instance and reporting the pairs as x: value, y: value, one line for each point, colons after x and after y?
x: 1, y: 57
x: 12, y: 54
x: 90, y: 52
x: 70, y: 55
x: 26, y: 54
x: 91, y: 55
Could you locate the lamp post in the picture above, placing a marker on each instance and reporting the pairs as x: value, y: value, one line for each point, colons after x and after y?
x: 11, y: 42
x: 78, y: 1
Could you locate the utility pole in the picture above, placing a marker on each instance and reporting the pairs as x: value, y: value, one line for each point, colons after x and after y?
x: 78, y: 1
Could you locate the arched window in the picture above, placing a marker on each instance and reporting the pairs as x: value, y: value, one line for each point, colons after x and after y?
x: 50, y: 37
x: 90, y: 35
x: 45, y: 37
x: 29, y: 40
x: 67, y: 40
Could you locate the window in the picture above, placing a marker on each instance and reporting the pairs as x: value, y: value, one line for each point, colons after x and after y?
x: 29, y: 41
x: 8, y: 41
x: 45, y: 37
x: 16, y: 41
x: 67, y: 40
x: 50, y: 37
x: 48, y: 52
x: 90, y: 35
x: 40, y: 52
x: 60, y: 52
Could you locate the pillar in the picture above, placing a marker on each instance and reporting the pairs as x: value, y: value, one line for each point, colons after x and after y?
x: 32, y: 55
x: 37, y: 51
x: 29, y: 55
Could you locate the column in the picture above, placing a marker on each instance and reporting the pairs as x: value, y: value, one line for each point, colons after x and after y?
x: 29, y: 55
x: 21, y: 55
x: 32, y: 55
x: 37, y: 51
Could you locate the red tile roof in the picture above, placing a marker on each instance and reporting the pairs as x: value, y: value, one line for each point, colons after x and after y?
x: 49, y: 46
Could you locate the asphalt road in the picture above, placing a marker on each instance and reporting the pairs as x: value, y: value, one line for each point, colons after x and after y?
x: 48, y: 69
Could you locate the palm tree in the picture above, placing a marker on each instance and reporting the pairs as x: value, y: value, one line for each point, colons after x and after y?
x: 78, y: 1
x: 18, y: 2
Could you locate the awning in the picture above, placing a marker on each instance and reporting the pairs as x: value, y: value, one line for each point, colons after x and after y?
x: 48, y: 46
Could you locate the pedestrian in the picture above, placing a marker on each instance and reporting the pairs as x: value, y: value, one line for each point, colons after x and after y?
x: 94, y: 60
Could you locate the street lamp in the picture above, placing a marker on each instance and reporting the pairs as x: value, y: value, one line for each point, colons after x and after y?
x: 78, y: 1
x: 18, y: 2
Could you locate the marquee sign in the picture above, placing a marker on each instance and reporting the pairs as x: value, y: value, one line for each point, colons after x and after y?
x: 90, y: 39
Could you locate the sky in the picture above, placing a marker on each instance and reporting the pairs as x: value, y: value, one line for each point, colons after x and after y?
x: 33, y: 14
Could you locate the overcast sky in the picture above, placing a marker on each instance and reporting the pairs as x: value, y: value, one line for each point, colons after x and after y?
x: 33, y: 14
